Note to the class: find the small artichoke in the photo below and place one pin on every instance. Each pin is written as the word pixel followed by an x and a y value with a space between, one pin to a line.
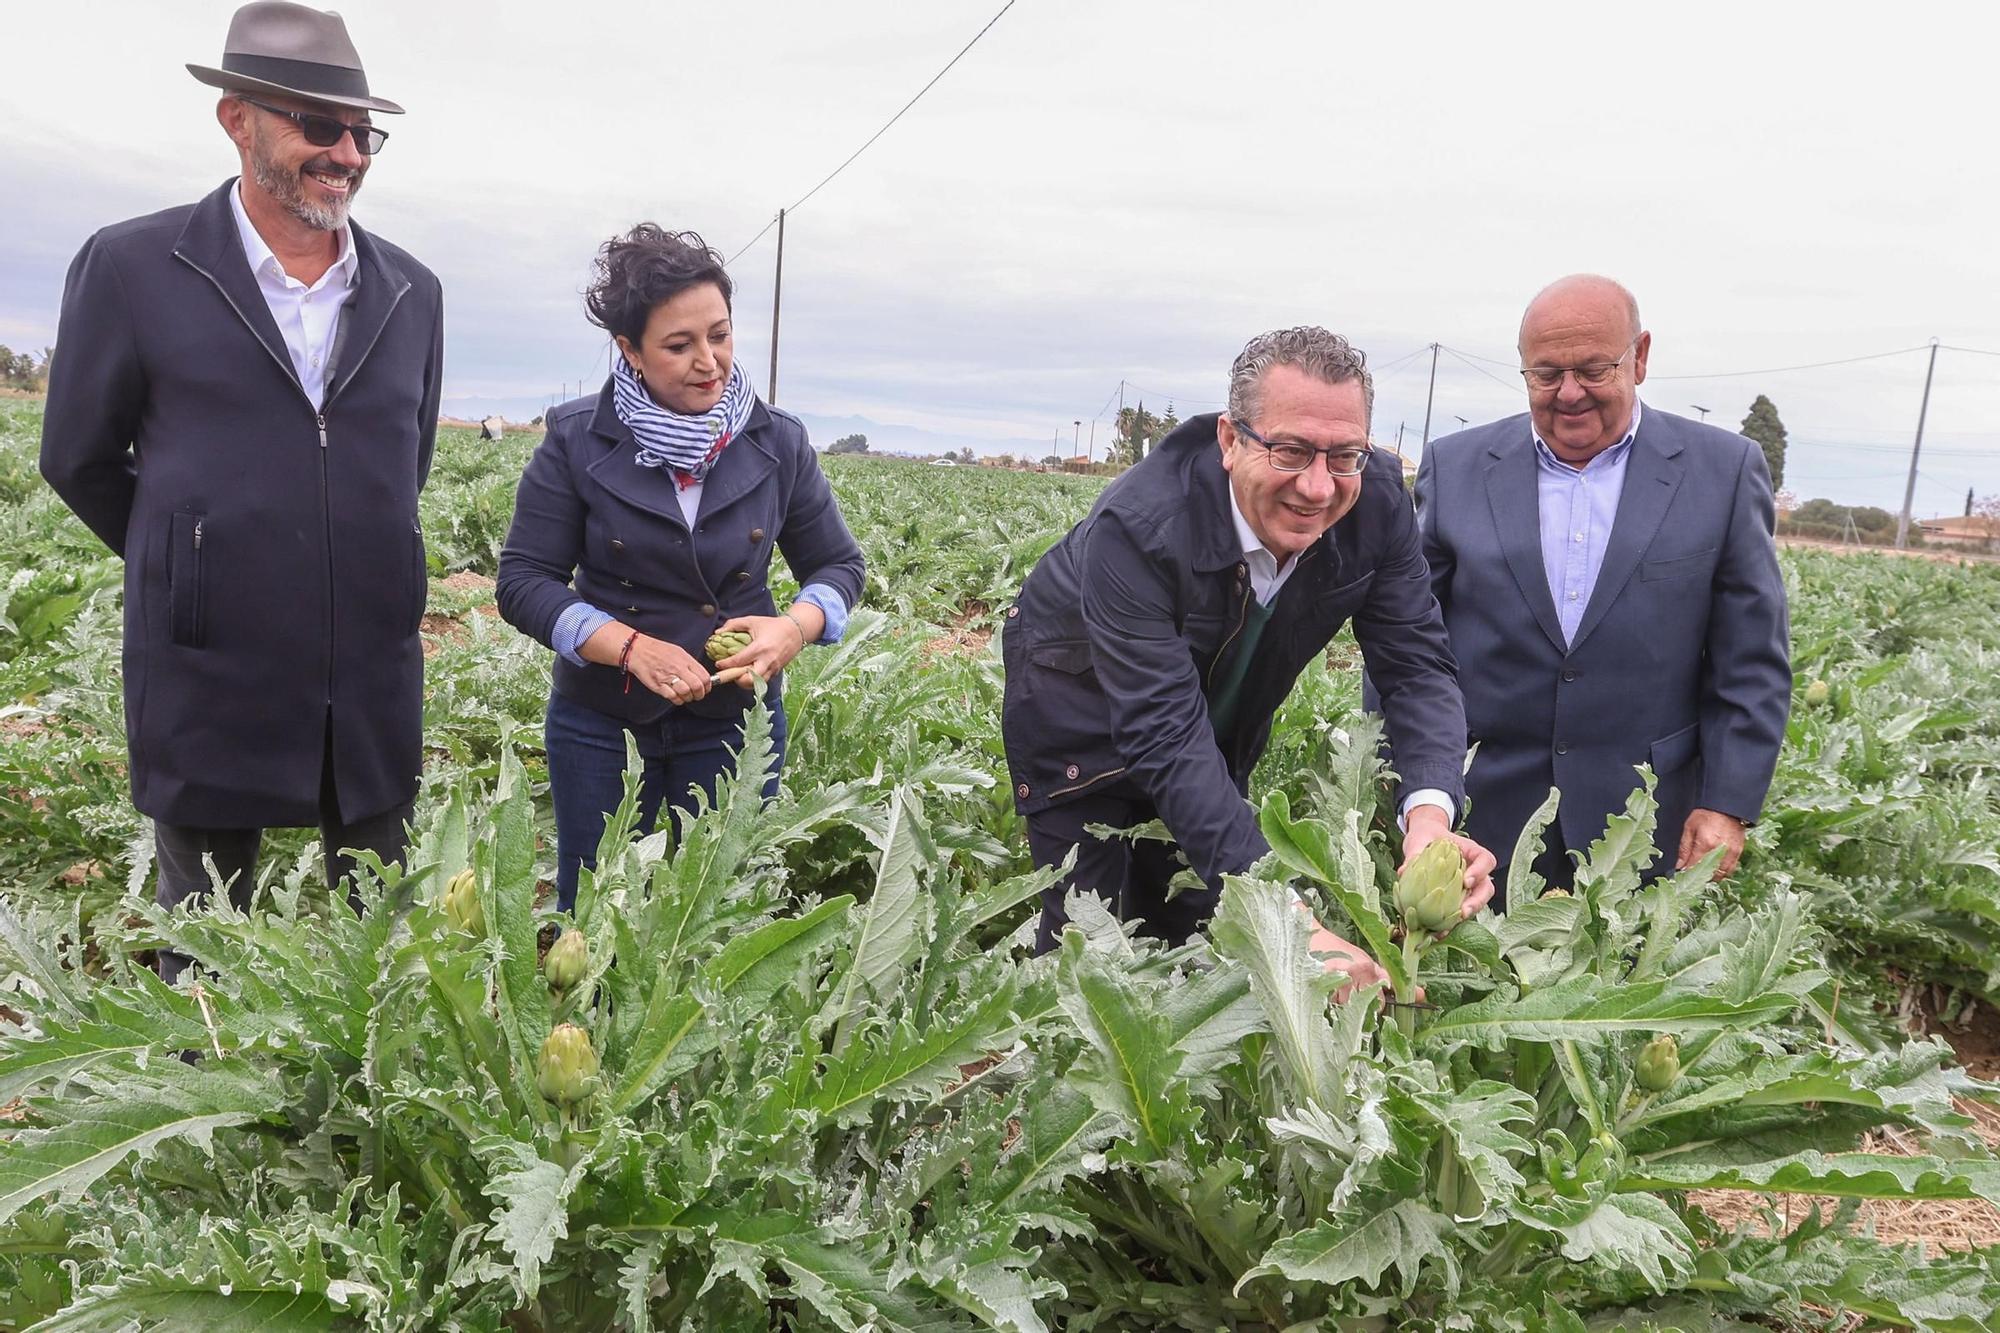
pixel 1431 894
pixel 1817 694
pixel 567 1071
pixel 726 643
pixel 568 961
pixel 461 903
pixel 1659 1066
pixel 1555 893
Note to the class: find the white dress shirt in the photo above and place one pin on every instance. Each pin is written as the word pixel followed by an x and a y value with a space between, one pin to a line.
pixel 308 317
pixel 1267 576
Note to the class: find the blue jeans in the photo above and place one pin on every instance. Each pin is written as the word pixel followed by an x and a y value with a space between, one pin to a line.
pixel 586 752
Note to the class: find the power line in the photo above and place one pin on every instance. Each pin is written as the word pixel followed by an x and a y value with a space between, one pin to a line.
pixel 1976 351
pixel 1771 370
pixel 1811 365
pixel 1176 398
pixel 1510 388
pixel 885 128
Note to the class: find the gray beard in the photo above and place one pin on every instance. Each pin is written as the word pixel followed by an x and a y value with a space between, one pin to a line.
pixel 288 188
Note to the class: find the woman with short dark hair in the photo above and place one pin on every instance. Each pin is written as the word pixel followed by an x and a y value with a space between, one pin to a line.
pixel 644 525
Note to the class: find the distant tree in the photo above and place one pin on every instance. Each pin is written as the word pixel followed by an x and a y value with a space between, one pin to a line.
pixel 1052 460
pixel 849 444
pixel 24 370
pixel 1986 510
pixel 1763 426
pixel 1785 503
pixel 1137 431
pixel 965 456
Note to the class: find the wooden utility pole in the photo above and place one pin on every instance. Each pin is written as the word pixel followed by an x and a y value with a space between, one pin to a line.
pixel 777 300
pixel 1432 394
pixel 1910 490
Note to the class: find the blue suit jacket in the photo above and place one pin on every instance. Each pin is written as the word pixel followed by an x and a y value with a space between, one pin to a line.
pixel 1681 659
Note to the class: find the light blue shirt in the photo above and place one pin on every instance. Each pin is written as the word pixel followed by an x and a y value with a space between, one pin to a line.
pixel 579 620
pixel 1577 509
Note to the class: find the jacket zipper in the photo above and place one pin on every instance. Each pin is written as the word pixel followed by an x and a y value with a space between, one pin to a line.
pixel 326 520
pixel 1242 617
pixel 195 614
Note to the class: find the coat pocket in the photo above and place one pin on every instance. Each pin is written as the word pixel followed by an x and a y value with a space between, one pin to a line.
pixel 420 580
pixel 1679 567
pixel 1069 656
pixel 1673 752
pixel 184 579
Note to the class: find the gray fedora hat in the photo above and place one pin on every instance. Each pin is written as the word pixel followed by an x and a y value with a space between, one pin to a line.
pixel 278 47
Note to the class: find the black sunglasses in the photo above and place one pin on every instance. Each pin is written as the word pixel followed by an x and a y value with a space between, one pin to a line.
pixel 325 131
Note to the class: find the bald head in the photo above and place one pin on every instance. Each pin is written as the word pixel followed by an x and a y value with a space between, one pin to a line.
pixel 1582 337
pixel 1591 294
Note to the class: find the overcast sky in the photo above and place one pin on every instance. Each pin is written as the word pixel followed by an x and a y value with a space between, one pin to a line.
pixel 1127 191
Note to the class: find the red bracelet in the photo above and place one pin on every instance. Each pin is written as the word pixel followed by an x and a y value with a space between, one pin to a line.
pixel 625 659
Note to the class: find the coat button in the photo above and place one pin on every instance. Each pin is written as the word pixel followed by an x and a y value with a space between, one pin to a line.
pixel 1569 675
pixel 742 576
pixel 1022 791
pixel 1013 612
pixel 632 610
pixel 624 583
pixel 1562 747
pixel 1241 570
pixel 708 608
pixel 617 545
pixel 1072 772
pixel 756 534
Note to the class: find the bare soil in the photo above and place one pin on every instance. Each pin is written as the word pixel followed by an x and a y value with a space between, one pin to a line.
pixel 1937 555
pixel 1937 1226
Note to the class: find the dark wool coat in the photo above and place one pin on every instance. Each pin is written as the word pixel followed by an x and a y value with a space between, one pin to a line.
pixel 274 567
pixel 590 522
pixel 1120 628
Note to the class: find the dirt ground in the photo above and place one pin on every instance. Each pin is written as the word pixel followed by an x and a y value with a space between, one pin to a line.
pixel 1939 1226
pixel 1941 555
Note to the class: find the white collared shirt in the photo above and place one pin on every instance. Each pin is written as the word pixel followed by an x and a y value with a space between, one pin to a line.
pixel 307 317
pixel 1267 576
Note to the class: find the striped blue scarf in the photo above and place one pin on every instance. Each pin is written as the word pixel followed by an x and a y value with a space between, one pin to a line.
pixel 688 445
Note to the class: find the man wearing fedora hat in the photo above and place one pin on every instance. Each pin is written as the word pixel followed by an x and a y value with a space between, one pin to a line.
pixel 243 408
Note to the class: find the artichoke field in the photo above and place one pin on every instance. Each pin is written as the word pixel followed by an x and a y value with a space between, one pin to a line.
pixel 790 1065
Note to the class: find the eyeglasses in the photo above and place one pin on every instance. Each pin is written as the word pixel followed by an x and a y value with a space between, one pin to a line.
pixel 325 131
pixel 1591 376
pixel 1289 456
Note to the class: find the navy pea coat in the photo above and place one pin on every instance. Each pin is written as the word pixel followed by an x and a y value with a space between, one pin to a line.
pixel 1121 626
pixel 590 522
pixel 1681 659
pixel 274 566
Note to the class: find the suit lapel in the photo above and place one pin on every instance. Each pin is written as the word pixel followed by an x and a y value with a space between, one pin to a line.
pixel 742 465
pixel 379 285
pixel 1516 502
pixel 649 488
pixel 1652 475
pixel 209 244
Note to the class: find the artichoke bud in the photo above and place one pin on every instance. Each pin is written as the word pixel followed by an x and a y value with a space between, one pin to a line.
pixel 567 1072
pixel 568 961
pixel 1816 694
pixel 1659 1066
pixel 461 903
pixel 1431 893
pixel 726 643
pixel 1555 893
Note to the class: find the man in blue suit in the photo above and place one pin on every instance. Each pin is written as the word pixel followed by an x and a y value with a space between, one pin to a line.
pixel 1610 584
